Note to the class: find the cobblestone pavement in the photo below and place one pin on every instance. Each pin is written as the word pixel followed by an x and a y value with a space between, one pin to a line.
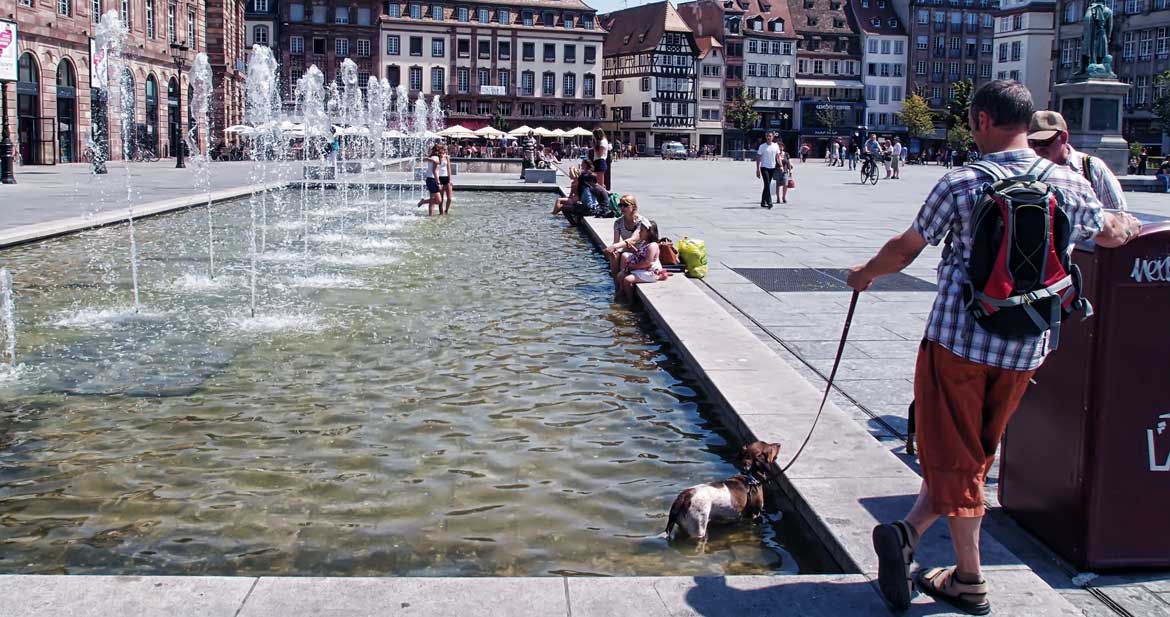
pixel 831 221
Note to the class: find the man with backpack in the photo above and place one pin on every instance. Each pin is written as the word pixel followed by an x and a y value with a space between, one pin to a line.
pixel 1048 136
pixel 989 329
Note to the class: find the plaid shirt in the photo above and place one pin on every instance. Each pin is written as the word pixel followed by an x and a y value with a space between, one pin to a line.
pixel 1104 183
pixel 948 210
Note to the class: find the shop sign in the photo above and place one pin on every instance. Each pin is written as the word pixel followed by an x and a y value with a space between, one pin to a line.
pixel 9 48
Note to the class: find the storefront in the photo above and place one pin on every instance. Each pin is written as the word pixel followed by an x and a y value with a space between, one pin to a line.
pixel 150 139
pixel 824 121
pixel 174 125
pixel 66 113
pixel 28 110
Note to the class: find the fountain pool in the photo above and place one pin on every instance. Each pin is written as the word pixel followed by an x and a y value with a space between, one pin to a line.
pixel 449 396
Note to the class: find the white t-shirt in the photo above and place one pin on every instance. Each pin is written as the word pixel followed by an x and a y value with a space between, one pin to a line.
pixel 898 151
pixel 602 150
pixel 768 153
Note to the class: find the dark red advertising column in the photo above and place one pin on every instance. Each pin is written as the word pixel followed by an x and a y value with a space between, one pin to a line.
pixel 1086 459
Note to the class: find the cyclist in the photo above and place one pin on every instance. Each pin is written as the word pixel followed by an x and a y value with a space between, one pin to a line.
pixel 870 152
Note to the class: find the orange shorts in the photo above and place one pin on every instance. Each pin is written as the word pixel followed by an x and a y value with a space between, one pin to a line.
pixel 962 409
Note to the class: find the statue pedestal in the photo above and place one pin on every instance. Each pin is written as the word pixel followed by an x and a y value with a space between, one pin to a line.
pixel 1092 109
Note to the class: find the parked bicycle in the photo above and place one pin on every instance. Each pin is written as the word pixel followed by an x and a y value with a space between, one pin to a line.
pixel 141 155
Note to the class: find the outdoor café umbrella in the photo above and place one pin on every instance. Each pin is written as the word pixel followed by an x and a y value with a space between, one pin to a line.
pixel 490 132
pixel 559 133
pixel 242 129
pixel 579 132
pixel 520 131
pixel 457 132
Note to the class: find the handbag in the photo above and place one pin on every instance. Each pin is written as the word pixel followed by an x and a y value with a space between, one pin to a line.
pixel 667 254
pixel 791 182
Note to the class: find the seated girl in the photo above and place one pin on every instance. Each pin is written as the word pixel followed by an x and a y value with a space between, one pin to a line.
pixel 642 266
pixel 627 231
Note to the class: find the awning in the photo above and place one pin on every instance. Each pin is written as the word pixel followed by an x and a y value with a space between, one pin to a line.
pixel 829 83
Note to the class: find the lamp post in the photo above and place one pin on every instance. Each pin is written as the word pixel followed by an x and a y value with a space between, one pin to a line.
pixel 179 54
pixel 6 176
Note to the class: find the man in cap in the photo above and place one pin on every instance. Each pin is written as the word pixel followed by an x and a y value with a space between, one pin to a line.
pixel 1048 136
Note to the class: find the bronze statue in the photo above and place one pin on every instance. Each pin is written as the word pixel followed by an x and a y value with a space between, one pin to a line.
pixel 1098 27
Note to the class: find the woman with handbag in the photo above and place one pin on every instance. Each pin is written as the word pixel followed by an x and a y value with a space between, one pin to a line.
pixel 627 232
pixel 783 175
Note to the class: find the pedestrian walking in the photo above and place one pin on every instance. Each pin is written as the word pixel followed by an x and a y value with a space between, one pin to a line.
pixel 766 157
pixel 1048 136
pixel 968 380
pixel 1143 161
pixel 853 152
pixel 896 158
pixel 834 152
pixel 804 148
pixel 782 175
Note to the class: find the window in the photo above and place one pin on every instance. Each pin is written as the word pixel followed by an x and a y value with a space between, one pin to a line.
pixel 1068 52
pixel 526 18
pixel 319 14
pixel 954 69
pixel 341 47
pixel 438 47
pixel 923 17
pixel 588 86
pixel 587 21
pixel 1162 42
pixel 483 77
pixel 485 49
pixel 260 35
pixel 415 78
pixel 884 95
pixel 1133 7
pixel 570 85
pixel 885 69
pixel 1128 48
pixel 985 71
pixel 922 42
pixel 549 83
pixel 548 19
pixel 527 83
pixel 570 54
pixel 463 79
pixel 172 24
pixel 969 69
pixel 897 70
pixel 65 7
pixel 462 14
pixel 393 9
pixel 528 51
pixel 503 78
pixel 504 16
pixel 416 43
pixel 363 16
pixel 801 65
pixel 1003 52
pixel 341 15
pixel 296 45
pixel 1143 85
pixel 150 18
pixel 956 18
pixel 818 66
pixel 504 50
pixel 483 108
pixel 319 46
pixel 645 82
pixel 1016 51
pixel 416 11
pixel 393 76
pixel 1073 12
pixel 896 93
pixel 786 48
pixel 483 15
pixel 393 44
pixel 363 48
pixel 590 54
pixel 940 17
pixel 463 48
pixel 191 42
pixel 1146 44
pixel 871 93
pixel 550 52
pixel 920 67
pixel 885 47
pixel 956 44
pixel 753 46
pixel 988 21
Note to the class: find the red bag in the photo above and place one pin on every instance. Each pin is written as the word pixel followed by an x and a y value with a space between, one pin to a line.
pixel 791 182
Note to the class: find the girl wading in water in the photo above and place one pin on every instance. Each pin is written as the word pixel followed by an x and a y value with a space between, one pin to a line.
pixel 438 181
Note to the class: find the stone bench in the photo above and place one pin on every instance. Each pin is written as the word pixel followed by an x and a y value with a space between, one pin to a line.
pixel 1140 184
pixel 542 176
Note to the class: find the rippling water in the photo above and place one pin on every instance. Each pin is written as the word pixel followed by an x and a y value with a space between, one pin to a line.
pixel 454 396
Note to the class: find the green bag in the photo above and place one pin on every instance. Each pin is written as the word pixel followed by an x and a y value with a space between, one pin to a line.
pixel 693 253
pixel 614 206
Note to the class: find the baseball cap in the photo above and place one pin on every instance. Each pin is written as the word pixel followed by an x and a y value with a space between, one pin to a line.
pixel 1045 125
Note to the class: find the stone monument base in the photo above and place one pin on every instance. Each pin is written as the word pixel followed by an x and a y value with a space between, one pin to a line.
pixel 1092 109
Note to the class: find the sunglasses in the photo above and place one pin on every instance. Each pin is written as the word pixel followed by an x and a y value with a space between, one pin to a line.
pixel 1035 143
pixel 624 205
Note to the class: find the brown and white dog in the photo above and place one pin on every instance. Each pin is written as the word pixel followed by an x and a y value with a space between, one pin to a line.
pixel 736 498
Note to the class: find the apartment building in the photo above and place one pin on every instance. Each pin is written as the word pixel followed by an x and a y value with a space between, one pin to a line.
pixel 1024 31
pixel 828 82
pixel 649 76
pixel 723 21
pixel 261 19
pixel 51 105
pixel 884 56
pixel 226 53
pixel 1141 50
pixel 326 34
pixel 949 40
pixel 769 58
pixel 709 111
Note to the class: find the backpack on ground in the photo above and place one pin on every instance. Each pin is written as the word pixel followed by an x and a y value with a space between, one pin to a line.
pixel 1021 279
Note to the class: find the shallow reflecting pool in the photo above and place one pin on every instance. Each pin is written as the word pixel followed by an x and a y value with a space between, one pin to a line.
pixel 448 396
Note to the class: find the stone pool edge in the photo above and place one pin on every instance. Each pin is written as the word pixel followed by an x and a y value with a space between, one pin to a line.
pixel 36 232
pixel 845 481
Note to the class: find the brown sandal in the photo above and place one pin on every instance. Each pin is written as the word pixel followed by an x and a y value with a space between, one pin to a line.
pixel 942 584
pixel 894 544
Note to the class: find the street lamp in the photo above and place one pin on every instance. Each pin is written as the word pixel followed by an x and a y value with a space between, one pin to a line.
pixel 179 54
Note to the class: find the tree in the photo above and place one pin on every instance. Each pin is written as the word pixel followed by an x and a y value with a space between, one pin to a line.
pixel 917 117
pixel 959 138
pixel 499 123
pixel 829 117
pixel 958 106
pixel 742 112
pixel 1162 101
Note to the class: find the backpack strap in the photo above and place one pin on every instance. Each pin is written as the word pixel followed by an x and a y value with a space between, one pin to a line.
pixel 990 168
pixel 1046 166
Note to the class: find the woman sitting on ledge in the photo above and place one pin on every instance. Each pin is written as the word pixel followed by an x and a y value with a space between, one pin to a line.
pixel 594 200
pixel 642 266
pixel 574 188
pixel 627 232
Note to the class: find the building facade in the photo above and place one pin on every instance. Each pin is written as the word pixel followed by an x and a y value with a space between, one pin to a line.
pixel 261 21
pixel 829 90
pixel 226 54
pixel 1024 30
pixel 1141 50
pixel 51 105
pixel 649 76
pixel 769 58
pixel 709 111
pixel 884 56
pixel 312 32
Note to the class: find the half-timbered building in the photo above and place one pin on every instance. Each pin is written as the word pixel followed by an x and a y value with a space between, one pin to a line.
pixel 648 82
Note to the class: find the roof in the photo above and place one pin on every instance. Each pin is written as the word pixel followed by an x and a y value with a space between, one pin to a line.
pixel 826 14
pixel 706 44
pixel 769 10
pixel 640 28
pixel 705 17
pixel 882 11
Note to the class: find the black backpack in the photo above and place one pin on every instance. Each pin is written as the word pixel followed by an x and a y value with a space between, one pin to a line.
pixel 1021 279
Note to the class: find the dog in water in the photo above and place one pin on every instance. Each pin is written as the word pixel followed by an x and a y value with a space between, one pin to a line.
pixel 736 498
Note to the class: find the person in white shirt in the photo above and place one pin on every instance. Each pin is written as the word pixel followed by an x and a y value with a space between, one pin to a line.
pixel 766 157
pixel 896 158
pixel 601 157
pixel 1048 136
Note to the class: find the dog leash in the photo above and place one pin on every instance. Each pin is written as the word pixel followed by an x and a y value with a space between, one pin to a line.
pixel 832 374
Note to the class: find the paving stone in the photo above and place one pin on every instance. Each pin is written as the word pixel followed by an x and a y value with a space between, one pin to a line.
pixel 102 596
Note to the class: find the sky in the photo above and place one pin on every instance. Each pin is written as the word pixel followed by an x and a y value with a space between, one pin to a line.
pixel 608 6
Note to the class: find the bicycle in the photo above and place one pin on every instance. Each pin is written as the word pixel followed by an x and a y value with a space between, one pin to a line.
pixel 869 171
pixel 141 155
